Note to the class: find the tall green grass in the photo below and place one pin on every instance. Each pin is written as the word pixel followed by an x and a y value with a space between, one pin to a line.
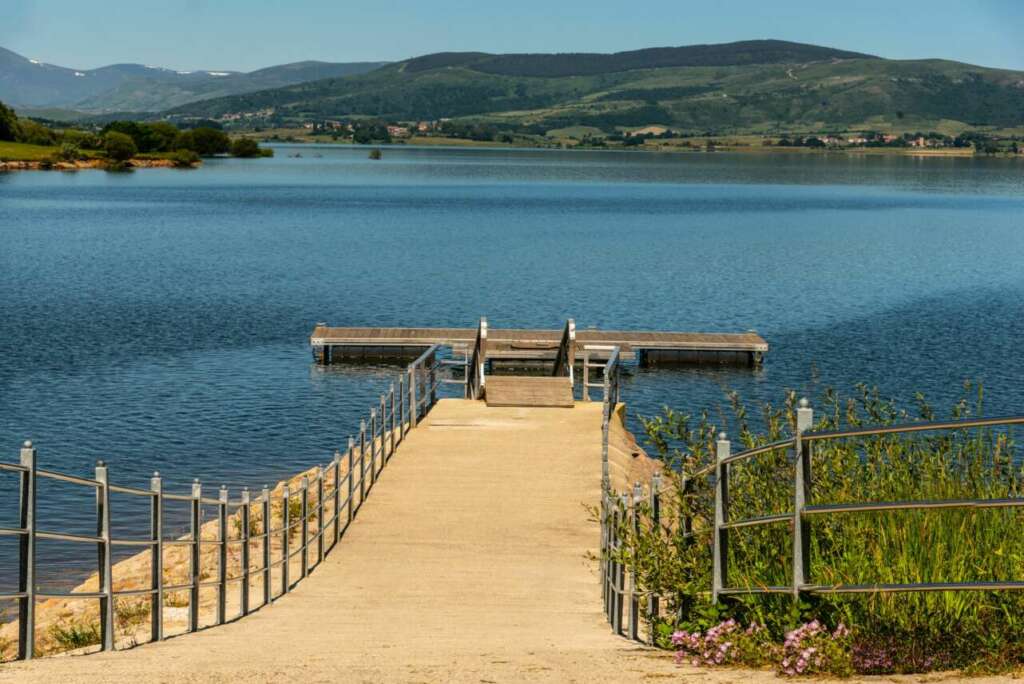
pixel 891 631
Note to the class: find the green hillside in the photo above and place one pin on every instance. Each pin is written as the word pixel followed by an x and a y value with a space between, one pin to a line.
pixel 752 86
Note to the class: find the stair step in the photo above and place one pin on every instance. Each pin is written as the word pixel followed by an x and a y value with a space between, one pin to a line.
pixel 514 390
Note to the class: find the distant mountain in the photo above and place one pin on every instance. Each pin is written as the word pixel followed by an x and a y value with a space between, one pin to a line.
pixel 754 86
pixel 29 83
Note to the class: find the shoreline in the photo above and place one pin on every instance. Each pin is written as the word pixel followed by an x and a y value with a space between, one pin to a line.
pixel 44 165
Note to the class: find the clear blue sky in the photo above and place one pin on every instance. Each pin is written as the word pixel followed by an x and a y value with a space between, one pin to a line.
pixel 248 34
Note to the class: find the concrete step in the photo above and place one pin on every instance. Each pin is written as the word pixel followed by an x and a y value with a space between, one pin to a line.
pixel 514 390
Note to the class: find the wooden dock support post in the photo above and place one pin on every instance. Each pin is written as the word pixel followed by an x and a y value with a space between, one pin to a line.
pixel 412 397
pixel 319 514
pixel 304 529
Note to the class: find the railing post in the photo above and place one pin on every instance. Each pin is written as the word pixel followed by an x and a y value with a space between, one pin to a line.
pixel 337 497
pixel 585 395
pixel 106 587
pixel 720 567
pixel 195 525
pixel 653 607
pixel 265 510
pixel 304 529
pixel 222 555
pixel 362 462
pixel 634 601
pixel 605 429
pixel 432 360
pixel 401 407
pixel 394 420
pixel 27 555
pixel 246 532
pixel 603 519
pixel 319 515
pixel 620 567
pixel 351 478
pixel 382 412
pixel 156 562
pixel 285 529
pixel 801 497
pixel 412 396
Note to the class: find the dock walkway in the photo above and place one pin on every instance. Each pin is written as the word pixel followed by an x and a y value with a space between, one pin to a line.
pixel 467 565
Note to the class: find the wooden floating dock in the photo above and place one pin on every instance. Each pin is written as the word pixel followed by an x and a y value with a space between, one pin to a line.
pixel 516 346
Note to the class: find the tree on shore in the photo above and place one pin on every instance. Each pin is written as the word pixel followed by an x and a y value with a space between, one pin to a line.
pixel 119 147
pixel 245 147
pixel 8 123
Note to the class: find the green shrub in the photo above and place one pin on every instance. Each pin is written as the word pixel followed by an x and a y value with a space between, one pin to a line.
pixel 183 159
pixel 933 629
pixel 76 635
pixel 69 152
pixel 119 146
pixel 245 147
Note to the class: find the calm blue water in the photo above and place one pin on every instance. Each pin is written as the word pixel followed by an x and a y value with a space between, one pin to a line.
pixel 159 320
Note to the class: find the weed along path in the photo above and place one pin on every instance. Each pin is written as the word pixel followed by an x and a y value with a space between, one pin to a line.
pixel 469 563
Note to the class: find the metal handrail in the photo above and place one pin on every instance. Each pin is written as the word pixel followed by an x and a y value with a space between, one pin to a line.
pixel 617 510
pixel 565 358
pixel 476 377
pixel 397 412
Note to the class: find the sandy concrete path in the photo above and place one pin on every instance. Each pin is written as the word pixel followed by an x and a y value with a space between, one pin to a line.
pixel 467 564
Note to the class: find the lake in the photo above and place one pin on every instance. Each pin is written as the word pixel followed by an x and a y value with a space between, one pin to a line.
pixel 159 319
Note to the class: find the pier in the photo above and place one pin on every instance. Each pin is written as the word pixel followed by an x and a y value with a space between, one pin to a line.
pixel 516 346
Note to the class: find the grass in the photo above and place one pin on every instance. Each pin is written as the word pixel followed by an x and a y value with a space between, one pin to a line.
pixel 928 630
pixel 15 151
pixel 75 635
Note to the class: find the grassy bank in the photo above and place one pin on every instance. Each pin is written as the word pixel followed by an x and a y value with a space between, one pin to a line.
pixel 868 633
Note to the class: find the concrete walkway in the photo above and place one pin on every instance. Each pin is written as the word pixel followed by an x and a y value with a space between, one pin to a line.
pixel 467 564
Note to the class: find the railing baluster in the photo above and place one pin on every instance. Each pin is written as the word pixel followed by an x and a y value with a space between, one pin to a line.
pixel 653 607
pixel 304 529
pixel 196 522
pixel 27 555
pixel 620 584
pixel 156 563
pixel 106 583
pixel 394 419
pixel 351 478
pixel 222 555
pixel 634 599
pixel 362 463
pixel 265 511
pixel 336 467
pixel 286 524
pixel 720 544
pixel 412 396
pixel 401 407
pixel 319 515
pixel 801 497
pixel 373 446
pixel 244 512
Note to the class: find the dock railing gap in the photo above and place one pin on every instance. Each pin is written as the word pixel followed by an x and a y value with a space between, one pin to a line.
pixel 392 416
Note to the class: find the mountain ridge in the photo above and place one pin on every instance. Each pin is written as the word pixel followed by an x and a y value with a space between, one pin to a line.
pixel 128 86
pixel 761 86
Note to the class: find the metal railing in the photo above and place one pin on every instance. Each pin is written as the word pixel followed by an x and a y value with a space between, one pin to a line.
pixel 397 411
pixel 476 362
pixel 565 358
pixel 621 512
